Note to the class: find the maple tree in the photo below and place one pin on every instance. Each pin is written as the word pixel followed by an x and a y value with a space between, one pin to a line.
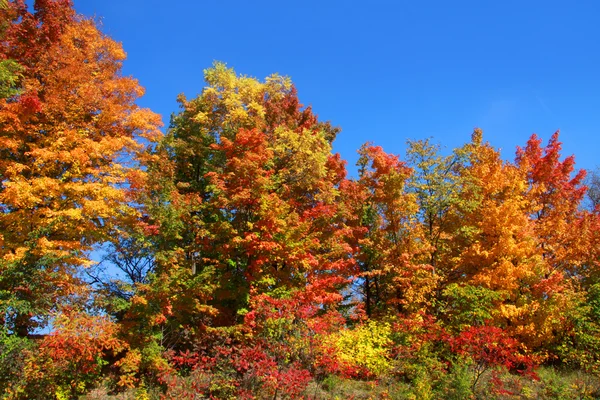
pixel 554 196
pixel 495 247
pixel 254 180
pixel 241 201
pixel 387 237
pixel 64 137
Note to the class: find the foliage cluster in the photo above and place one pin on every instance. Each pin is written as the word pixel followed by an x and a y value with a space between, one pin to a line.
pixel 251 265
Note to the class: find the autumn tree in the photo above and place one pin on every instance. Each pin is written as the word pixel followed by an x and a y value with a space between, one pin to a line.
pixel 555 194
pixel 496 248
pixel 64 142
pixel 387 236
pixel 435 185
pixel 243 194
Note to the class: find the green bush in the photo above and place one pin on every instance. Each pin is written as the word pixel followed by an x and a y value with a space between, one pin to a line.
pixel 13 355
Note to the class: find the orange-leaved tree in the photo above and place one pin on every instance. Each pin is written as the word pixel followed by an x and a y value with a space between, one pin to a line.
pixel 495 249
pixel 64 145
pixel 555 194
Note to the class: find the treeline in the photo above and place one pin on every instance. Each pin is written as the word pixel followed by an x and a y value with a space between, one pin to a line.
pixel 241 259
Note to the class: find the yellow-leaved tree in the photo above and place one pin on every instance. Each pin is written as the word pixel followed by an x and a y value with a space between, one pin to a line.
pixel 65 141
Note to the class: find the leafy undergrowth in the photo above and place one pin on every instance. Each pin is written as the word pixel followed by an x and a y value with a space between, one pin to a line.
pixel 551 384
pixel 500 385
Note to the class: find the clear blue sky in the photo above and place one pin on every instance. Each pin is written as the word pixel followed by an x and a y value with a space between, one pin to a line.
pixel 384 71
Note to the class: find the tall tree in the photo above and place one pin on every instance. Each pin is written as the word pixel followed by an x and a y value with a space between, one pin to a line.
pixel 247 202
pixel 555 194
pixel 64 142
pixel 435 184
pixel 388 238
pixel 495 248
